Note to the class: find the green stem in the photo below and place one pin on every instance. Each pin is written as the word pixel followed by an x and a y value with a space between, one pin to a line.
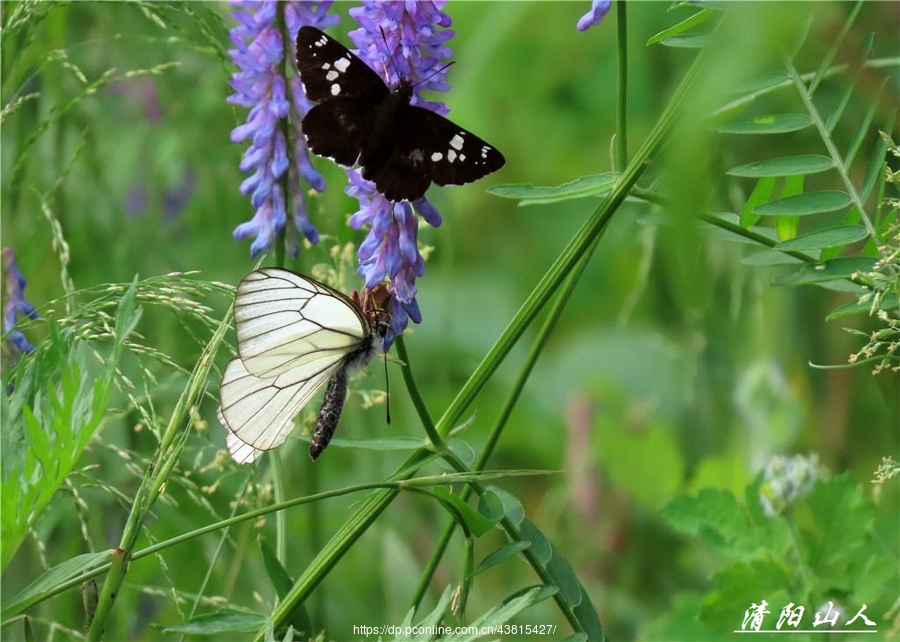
pixel 437 442
pixel 622 89
pixel 825 135
pixel 278 495
pixel 278 485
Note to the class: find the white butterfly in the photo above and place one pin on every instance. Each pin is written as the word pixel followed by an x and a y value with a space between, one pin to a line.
pixel 294 334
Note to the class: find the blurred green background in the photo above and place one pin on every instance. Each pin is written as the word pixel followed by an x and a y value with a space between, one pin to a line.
pixel 675 366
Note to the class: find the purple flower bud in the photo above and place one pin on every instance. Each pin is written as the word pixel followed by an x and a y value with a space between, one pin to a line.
pixel 15 305
pixel 599 8
pixel 277 155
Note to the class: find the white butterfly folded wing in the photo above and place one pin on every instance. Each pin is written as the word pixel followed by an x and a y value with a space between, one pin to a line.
pixel 285 321
pixel 293 333
pixel 259 413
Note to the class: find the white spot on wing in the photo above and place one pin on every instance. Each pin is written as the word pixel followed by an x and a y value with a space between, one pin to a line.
pixel 335 89
pixel 462 157
pixel 326 66
pixel 331 75
pixel 321 42
pixel 436 156
pixel 451 156
pixel 456 142
pixel 341 64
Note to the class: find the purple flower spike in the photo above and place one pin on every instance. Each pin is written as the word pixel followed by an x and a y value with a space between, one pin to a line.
pixel 15 305
pixel 399 40
pixel 277 155
pixel 599 9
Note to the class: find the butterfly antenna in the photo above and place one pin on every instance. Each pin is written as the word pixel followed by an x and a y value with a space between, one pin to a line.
pixel 387 392
pixel 433 74
pixel 387 51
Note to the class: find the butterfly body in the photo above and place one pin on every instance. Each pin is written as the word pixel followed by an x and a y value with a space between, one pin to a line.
pixel 401 147
pixel 390 119
pixel 329 413
pixel 294 335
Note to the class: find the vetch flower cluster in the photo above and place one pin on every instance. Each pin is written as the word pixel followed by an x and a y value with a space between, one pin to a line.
pixel 398 40
pixel 786 480
pixel 277 154
pixel 15 305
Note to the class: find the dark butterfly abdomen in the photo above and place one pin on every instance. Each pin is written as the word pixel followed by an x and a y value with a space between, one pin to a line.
pixel 390 122
pixel 329 413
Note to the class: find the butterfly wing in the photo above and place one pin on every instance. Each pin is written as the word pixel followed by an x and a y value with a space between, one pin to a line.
pixel 329 70
pixel 293 333
pixel 432 148
pixel 337 128
pixel 286 321
pixel 240 452
pixel 259 413
pixel 347 90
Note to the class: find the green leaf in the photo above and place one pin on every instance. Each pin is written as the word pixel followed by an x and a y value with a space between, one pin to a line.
pixel 692 21
pixel 769 258
pixel 768 124
pixel 498 616
pixel 560 573
pixel 832 270
pixel 692 41
pixel 891 302
pixel 279 577
pixel 51 579
pixel 785 166
pixel 512 507
pixel 742 583
pixel 539 195
pixel 490 506
pixel 588 619
pixel 835 521
pixel 386 444
pixel 828 237
pixel 723 524
pixel 501 555
pixel 563 576
pixel 128 313
pixel 226 621
pixel 681 621
pixel 540 545
pixel 806 204
pixel 710 509
pixel 475 522
pixel 787 226
pixel 463 450
pixel 763 191
pixel 764 81
pixel 431 620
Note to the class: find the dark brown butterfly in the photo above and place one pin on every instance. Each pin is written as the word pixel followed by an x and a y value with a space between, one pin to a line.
pixel 401 148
